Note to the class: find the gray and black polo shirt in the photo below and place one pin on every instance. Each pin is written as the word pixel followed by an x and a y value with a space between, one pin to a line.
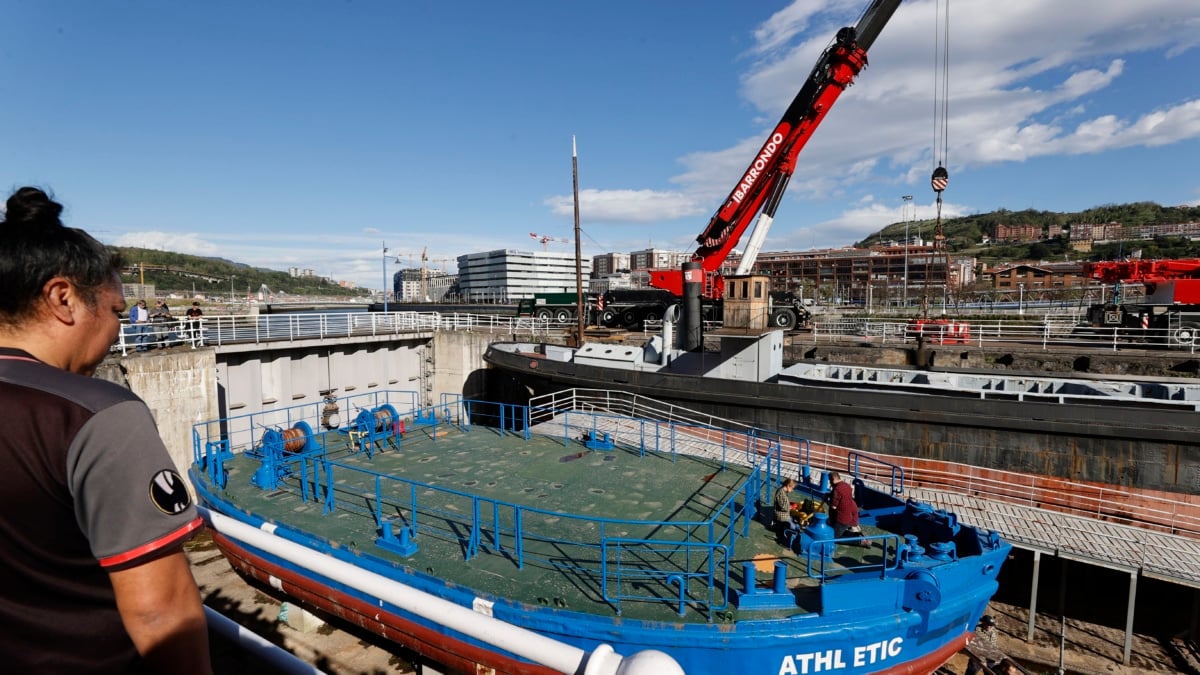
pixel 86 487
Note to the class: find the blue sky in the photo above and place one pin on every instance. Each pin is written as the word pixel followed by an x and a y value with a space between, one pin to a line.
pixel 306 133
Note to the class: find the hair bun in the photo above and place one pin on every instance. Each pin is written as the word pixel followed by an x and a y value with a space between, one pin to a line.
pixel 32 206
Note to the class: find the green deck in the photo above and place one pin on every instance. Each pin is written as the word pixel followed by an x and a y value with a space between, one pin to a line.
pixel 577 486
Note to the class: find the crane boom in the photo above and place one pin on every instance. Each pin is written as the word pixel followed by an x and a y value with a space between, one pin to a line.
pixel 763 183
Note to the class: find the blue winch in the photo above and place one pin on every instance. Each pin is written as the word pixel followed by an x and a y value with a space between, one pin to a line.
pixel 274 448
pixel 382 425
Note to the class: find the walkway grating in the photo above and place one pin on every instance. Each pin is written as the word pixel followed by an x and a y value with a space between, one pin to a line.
pixel 1156 555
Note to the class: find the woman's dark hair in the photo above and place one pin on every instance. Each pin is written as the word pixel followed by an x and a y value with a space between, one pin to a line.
pixel 35 247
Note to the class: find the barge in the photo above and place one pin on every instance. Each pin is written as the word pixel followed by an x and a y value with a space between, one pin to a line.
pixel 611 531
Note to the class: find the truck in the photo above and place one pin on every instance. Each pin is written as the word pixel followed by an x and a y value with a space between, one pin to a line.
pixel 636 307
pixel 1170 310
pixel 626 308
pixel 761 187
pixel 558 307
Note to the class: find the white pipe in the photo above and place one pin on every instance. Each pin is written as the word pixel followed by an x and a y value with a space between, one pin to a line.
pixel 670 316
pixel 514 639
pixel 280 660
pixel 754 244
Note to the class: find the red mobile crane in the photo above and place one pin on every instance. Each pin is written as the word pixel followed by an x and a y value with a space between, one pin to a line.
pixel 762 185
pixel 760 189
pixel 1171 307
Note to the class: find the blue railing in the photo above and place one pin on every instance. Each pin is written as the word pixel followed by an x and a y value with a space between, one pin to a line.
pixel 876 469
pixel 631 568
pixel 686 560
pixel 529 535
pixel 818 561
pixel 240 433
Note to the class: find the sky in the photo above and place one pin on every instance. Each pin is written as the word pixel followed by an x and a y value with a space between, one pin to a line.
pixel 312 133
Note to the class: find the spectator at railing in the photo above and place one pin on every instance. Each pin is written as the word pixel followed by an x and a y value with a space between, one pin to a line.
pixel 161 312
pixel 193 314
pixel 139 322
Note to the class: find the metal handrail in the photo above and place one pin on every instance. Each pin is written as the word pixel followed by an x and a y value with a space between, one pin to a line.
pixel 216 441
pixel 1050 331
pixel 1111 503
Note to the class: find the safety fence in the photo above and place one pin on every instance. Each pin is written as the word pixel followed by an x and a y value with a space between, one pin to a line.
pixel 1051 331
pixel 690 559
pixel 1152 510
pixel 265 328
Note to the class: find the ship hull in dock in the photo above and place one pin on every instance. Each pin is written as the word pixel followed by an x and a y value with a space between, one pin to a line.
pixel 430 526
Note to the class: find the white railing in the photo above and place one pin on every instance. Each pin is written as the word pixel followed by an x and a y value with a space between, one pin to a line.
pixel 261 328
pixel 1051 332
pixel 1139 508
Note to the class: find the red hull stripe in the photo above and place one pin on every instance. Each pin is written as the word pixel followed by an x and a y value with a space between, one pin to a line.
pixel 150 547
pixel 931 661
pixel 439 647
pixel 432 644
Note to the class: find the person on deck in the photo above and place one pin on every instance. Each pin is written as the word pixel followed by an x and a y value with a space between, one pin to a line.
pixel 93 514
pixel 843 510
pixel 782 515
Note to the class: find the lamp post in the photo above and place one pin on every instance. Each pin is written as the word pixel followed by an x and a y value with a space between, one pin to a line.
pixel 1021 298
pixel 904 214
pixel 385 277
pixel 231 278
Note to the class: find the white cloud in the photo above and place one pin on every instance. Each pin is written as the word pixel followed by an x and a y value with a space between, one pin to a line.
pixel 178 242
pixel 855 224
pixel 626 206
pixel 1024 84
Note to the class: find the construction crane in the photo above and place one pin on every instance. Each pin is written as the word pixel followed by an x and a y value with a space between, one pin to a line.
pixel 546 239
pixel 1170 311
pixel 424 290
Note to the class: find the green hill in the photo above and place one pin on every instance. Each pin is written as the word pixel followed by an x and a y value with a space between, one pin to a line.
pixel 964 234
pixel 188 274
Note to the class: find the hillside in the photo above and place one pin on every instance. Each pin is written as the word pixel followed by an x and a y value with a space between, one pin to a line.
pixel 963 235
pixel 188 275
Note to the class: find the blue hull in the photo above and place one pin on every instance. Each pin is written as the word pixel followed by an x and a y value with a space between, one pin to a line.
pixel 907 618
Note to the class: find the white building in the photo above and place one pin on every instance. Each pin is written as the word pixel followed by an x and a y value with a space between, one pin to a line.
pixel 507 275
pixel 610 263
pixel 417 285
pixel 657 259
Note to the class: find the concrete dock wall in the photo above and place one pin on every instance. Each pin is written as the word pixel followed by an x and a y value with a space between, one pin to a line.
pixel 184 386
pixel 458 364
pixel 179 386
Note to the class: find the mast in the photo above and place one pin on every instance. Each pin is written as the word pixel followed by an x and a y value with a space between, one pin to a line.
pixel 579 305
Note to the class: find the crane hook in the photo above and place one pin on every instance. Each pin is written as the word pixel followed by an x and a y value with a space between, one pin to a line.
pixel 939 180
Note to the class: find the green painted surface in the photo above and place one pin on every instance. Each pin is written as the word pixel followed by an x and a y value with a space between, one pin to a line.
pixel 565 494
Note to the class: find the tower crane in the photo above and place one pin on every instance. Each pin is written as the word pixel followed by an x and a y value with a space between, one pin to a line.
pixel 546 239
pixel 424 290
